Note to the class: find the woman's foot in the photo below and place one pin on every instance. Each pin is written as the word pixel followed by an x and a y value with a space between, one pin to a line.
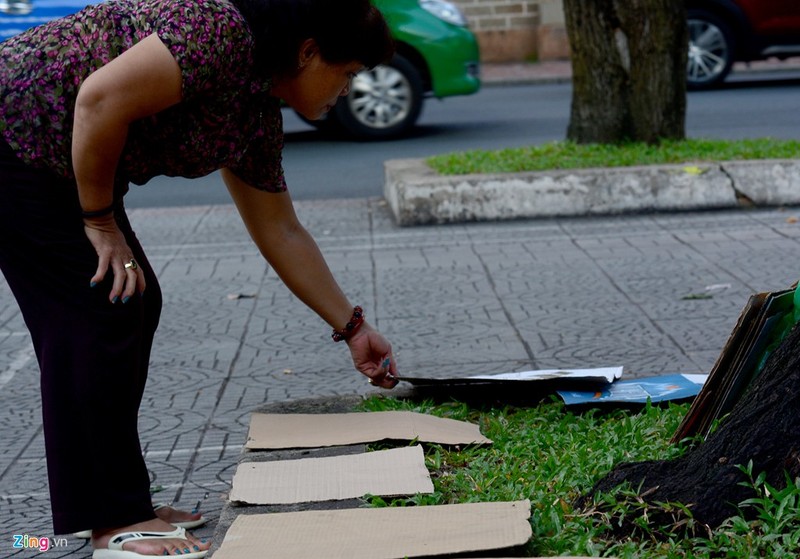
pixel 176 516
pixel 154 546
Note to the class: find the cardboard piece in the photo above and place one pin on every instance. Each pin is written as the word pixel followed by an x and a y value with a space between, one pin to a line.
pixel 553 379
pixel 761 323
pixel 379 533
pixel 399 471
pixel 274 431
pixel 637 391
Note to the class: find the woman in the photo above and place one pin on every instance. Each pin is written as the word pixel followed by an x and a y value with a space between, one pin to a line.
pixel 121 92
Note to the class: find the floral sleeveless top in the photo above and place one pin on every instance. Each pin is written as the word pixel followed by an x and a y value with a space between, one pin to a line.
pixel 226 119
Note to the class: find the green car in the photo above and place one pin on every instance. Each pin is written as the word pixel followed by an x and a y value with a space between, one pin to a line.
pixel 437 55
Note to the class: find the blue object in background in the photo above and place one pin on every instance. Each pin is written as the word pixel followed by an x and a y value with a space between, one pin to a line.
pixel 638 391
pixel 18 15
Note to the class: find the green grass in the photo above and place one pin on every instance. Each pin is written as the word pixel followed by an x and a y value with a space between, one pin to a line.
pixel 550 455
pixel 568 155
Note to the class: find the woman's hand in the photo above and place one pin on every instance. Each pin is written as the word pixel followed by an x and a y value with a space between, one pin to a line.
pixel 372 356
pixel 113 252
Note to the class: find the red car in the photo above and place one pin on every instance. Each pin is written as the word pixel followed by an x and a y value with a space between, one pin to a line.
pixel 722 32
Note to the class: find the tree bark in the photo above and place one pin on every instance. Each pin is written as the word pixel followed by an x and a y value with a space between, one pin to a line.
pixel 764 426
pixel 628 70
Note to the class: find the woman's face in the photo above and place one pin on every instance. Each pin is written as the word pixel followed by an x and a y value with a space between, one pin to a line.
pixel 316 87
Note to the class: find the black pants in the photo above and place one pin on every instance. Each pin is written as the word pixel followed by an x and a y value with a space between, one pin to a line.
pixel 93 355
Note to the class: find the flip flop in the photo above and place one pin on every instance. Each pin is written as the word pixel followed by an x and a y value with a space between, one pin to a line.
pixel 115 550
pixel 188 524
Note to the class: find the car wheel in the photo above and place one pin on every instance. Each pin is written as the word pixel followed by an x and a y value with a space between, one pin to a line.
pixel 383 102
pixel 711 50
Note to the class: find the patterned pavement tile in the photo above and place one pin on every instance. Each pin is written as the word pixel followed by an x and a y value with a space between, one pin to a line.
pixel 454 300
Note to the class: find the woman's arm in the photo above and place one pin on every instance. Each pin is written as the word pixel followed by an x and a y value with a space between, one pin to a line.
pixel 296 258
pixel 142 81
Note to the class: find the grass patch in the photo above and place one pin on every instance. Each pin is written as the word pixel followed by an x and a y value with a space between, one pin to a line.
pixel 551 455
pixel 568 155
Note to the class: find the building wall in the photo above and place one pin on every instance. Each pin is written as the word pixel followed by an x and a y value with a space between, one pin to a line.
pixel 517 30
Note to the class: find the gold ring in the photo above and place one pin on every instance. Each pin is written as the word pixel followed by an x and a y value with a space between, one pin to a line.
pixel 132 265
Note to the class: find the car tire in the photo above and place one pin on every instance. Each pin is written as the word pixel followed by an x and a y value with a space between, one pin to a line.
pixel 711 50
pixel 383 102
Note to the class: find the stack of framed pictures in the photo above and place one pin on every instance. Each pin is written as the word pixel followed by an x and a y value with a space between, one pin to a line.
pixel 762 324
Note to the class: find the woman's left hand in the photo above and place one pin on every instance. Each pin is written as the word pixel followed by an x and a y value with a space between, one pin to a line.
pixel 372 356
pixel 114 254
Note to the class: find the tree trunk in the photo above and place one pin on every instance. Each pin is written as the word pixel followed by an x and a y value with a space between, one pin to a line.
pixel 628 70
pixel 764 427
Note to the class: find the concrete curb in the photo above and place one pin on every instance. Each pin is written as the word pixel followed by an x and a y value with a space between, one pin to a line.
pixel 418 195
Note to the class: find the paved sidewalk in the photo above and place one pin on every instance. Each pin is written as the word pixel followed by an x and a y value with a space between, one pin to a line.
pixel 468 299
pixel 477 298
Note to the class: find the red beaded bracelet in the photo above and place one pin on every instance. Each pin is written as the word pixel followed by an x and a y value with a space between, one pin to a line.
pixel 351 327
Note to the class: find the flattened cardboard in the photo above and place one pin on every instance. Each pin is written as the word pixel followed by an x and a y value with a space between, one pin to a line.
pixel 546 379
pixel 382 533
pixel 274 431
pixel 398 471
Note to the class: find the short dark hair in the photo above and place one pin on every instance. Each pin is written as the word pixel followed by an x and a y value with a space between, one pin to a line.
pixel 344 30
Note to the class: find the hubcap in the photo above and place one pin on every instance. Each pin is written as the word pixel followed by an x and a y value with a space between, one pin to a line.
pixel 380 98
pixel 708 51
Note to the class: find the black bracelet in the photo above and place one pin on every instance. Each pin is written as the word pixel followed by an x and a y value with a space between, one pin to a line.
pixel 99 213
pixel 351 327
